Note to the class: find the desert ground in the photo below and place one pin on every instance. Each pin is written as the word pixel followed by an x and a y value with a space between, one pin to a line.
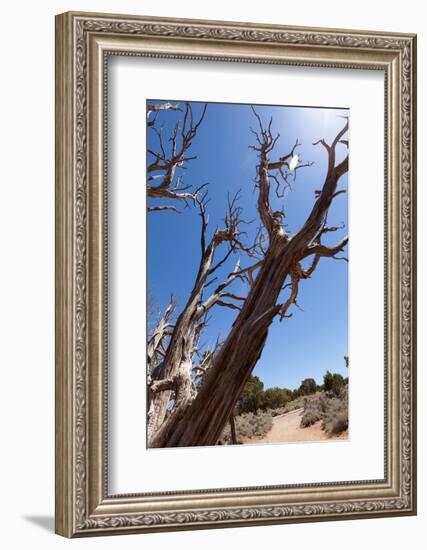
pixel 286 429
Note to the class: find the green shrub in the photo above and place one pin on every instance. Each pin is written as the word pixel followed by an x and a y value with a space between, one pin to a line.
pixel 307 387
pixel 333 383
pixel 252 396
pixel 274 398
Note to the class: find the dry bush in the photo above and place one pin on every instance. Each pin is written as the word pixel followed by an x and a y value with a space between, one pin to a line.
pixel 335 420
pixel 332 411
pixel 298 403
pixel 249 425
pixel 309 418
pixel 337 425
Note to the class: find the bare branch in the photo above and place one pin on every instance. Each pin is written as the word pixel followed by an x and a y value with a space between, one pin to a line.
pixel 283 313
pixel 204 217
pixel 233 296
pixel 227 304
pixel 297 272
pixel 165 165
pixel 323 142
pixel 162 107
pixel 340 258
pixel 278 171
pixel 307 273
pixel 341 133
pixel 220 263
pixel 210 282
pixel 332 229
pixel 161 208
pixel 324 196
pixel 328 251
pixel 341 192
pixel 156 107
pixel 216 295
pixel 247 273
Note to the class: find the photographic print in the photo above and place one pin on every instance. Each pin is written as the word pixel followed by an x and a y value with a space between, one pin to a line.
pixel 247 283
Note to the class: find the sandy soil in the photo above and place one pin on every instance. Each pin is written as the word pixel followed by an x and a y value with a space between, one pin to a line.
pixel 286 428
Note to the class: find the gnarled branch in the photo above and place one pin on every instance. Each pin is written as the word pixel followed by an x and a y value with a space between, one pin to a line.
pixel 323 250
pixel 266 141
pixel 162 208
pixel 161 171
pixel 295 278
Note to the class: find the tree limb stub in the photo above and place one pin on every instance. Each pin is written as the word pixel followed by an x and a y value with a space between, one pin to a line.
pixel 162 385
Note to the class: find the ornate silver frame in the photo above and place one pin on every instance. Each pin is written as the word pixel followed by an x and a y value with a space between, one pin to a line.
pixel 83 506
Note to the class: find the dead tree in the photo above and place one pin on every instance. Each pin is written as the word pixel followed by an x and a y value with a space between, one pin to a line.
pixel 170 156
pixel 199 419
pixel 175 375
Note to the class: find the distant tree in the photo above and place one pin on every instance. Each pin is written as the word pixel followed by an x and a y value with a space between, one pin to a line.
pixel 308 386
pixel 276 397
pixel 346 359
pixel 252 396
pixel 333 383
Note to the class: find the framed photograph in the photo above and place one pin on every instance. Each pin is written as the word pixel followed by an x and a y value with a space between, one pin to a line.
pixel 235 274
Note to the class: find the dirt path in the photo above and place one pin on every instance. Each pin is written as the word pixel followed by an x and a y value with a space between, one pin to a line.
pixel 286 429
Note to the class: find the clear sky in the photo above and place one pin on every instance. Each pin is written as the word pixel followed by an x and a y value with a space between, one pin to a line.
pixel 311 341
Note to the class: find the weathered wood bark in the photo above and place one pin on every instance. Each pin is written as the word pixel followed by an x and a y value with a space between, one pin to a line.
pixel 202 420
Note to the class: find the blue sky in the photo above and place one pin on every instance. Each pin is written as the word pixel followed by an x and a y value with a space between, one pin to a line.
pixel 311 341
